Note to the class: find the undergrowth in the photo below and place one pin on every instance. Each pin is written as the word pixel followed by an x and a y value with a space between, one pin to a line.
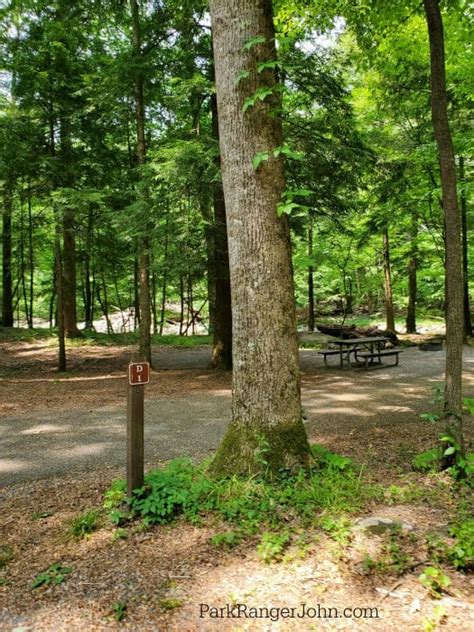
pixel 331 489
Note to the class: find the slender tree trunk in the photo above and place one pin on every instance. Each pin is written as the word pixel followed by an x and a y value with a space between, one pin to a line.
pixel 209 236
pixel 181 299
pixel 389 312
pixel 266 406
pixel 104 305
pixel 30 256
pixel 412 281
pixel 53 293
pixel 69 240
pixel 7 298
pixel 88 317
pixel 465 256
pixel 23 263
pixel 136 296
pixel 153 300
pixel 452 223
pixel 165 276
pixel 310 278
pixel 222 336
pixel 60 303
pixel 144 348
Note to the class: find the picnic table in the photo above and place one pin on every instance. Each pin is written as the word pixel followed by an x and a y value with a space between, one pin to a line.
pixel 368 349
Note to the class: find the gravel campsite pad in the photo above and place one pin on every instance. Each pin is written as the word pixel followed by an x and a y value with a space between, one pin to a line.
pixel 62 445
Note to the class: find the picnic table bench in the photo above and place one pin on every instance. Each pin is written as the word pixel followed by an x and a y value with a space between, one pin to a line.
pixel 368 349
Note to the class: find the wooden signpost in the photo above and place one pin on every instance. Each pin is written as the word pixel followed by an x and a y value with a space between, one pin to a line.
pixel 138 376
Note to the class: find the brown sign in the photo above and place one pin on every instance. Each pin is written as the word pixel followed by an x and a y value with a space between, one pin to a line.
pixel 138 373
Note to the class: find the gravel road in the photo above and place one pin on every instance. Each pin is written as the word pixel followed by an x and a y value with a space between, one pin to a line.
pixel 50 443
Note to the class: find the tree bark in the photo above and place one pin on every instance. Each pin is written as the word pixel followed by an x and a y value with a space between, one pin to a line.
pixel 144 347
pixel 30 256
pixel 452 221
pixel 412 281
pixel 465 256
pixel 88 291
pixel 310 278
pixel 60 302
pixel 7 297
pixel 222 335
pixel 389 311
pixel 69 240
pixel 266 432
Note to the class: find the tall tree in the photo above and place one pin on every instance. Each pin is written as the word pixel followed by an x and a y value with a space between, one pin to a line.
pixel 389 311
pixel 144 241
pixel 452 224
pixel 465 253
pixel 222 334
pixel 7 295
pixel 266 408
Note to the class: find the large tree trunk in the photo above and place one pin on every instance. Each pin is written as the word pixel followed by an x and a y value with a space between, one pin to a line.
pixel 144 348
pixel 7 297
pixel 310 278
pixel 222 334
pixel 465 256
pixel 412 269
pixel 266 432
pixel 452 222
pixel 389 311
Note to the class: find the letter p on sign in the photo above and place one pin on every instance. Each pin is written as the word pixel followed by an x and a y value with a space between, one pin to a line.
pixel 138 373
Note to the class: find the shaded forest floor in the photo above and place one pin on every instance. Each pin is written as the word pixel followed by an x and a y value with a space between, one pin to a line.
pixel 162 574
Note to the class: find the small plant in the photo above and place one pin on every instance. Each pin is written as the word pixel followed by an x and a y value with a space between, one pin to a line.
pixel 399 558
pixel 119 534
pixel 439 614
pixel 396 495
pixel 427 461
pixel 6 554
pixel 84 524
pixel 55 574
pixel 369 564
pixel 227 539
pixel 272 546
pixel 263 448
pixel 339 528
pixel 119 609
pixel 170 603
pixel 435 580
pixel 461 553
pixel 40 515
pixel 325 458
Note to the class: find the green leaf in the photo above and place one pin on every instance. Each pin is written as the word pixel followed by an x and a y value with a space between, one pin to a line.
pixel 265 65
pixel 243 74
pixel 258 39
pixel 450 450
pixel 259 158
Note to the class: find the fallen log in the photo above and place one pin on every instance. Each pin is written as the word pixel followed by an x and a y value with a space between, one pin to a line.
pixel 351 331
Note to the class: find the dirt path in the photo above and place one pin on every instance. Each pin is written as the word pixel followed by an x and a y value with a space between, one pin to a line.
pixel 348 410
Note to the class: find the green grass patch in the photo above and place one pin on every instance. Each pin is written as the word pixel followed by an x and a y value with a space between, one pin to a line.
pixel 84 524
pixel 92 338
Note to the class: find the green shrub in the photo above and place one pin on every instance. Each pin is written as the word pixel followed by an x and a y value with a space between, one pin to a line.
pixel 427 461
pixel 461 553
pixel 272 545
pixel 55 574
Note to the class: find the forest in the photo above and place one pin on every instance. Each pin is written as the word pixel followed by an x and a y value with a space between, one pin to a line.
pixel 228 190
